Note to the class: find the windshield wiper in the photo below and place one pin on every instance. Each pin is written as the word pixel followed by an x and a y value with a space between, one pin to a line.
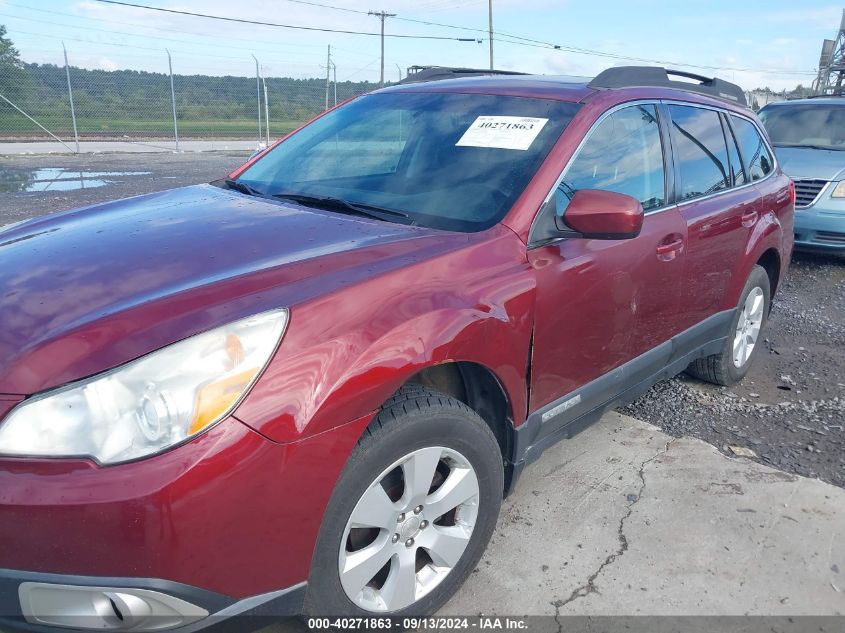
pixel 242 187
pixel 344 206
pixel 810 146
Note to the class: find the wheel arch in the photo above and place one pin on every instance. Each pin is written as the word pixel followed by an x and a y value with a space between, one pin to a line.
pixel 478 387
pixel 763 249
pixel 771 263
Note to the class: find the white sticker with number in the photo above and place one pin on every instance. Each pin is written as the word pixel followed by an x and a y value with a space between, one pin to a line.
pixel 502 132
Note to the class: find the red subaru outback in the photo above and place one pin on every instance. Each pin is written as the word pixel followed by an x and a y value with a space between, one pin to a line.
pixel 307 387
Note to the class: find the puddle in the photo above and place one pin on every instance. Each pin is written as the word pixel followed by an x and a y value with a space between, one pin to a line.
pixel 58 179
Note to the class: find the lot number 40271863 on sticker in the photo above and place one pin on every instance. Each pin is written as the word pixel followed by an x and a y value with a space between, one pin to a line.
pixel 502 132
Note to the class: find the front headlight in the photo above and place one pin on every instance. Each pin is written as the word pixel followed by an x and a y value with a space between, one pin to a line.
pixel 839 190
pixel 151 403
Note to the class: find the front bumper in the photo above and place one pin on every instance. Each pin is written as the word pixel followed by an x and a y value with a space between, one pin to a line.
pixel 201 609
pixel 230 516
pixel 821 227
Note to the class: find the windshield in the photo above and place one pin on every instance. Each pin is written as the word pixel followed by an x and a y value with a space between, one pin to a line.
pixel 806 125
pixel 448 161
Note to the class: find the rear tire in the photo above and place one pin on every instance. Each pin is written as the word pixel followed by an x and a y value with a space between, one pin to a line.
pixel 425 454
pixel 730 365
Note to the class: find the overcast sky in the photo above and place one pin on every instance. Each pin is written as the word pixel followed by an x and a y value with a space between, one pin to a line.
pixel 783 36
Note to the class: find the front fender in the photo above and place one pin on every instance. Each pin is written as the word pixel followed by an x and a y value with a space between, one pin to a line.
pixel 347 354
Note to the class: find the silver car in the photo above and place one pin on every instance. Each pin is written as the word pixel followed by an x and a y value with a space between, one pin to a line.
pixel 809 140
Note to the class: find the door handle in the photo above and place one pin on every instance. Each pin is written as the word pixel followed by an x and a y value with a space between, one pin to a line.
pixel 669 248
pixel 749 218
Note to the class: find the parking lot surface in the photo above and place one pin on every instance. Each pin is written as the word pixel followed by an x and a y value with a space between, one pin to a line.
pixel 35 185
pixel 625 520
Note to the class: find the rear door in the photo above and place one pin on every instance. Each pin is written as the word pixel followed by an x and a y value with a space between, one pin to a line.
pixel 602 303
pixel 718 204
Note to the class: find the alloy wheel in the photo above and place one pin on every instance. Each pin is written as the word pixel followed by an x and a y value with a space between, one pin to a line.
pixel 748 327
pixel 409 529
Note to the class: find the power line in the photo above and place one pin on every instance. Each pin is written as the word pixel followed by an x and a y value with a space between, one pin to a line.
pixel 264 46
pixel 512 38
pixel 535 43
pixel 586 51
pixel 142 26
pixel 285 26
pixel 148 48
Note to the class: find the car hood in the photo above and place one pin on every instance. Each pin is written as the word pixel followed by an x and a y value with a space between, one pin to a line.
pixel 86 290
pixel 804 162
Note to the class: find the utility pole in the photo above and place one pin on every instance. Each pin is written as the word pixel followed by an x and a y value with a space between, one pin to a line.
pixel 173 100
pixel 382 15
pixel 334 73
pixel 328 75
pixel 258 98
pixel 490 30
pixel 70 96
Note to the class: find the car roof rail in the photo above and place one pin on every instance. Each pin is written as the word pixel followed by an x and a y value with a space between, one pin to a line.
pixel 419 74
pixel 655 76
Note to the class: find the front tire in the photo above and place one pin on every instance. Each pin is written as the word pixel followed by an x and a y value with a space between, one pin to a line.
pixel 412 512
pixel 730 365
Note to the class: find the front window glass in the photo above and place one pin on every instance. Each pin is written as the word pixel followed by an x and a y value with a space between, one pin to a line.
pixel 449 161
pixel 624 155
pixel 758 160
pixel 700 151
pixel 819 126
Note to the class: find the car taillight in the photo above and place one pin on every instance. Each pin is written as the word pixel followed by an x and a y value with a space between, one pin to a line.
pixel 792 192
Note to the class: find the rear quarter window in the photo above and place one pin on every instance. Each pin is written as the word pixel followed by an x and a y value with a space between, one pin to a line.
pixel 755 154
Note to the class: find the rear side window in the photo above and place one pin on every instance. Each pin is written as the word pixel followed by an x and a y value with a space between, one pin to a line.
pixel 623 154
pixel 758 160
pixel 700 151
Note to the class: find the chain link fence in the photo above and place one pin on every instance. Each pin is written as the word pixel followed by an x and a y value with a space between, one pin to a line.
pixel 64 103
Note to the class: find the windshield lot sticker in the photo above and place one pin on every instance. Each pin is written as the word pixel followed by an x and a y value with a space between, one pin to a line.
pixel 502 132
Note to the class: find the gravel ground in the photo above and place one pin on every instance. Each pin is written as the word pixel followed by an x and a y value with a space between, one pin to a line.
pixel 790 409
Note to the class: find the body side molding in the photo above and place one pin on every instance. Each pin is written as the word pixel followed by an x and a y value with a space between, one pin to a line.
pixel 567 416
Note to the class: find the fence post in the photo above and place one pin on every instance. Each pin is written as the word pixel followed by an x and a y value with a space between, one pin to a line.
pixel 70 96
pixel 258 97
pixel 173 100
pixel 328 75
pixel 266 110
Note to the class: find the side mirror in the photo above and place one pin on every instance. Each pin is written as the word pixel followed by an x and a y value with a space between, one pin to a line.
pixel 602 215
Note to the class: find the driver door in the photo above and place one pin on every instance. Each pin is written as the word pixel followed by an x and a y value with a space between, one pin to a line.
pixel 603 303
